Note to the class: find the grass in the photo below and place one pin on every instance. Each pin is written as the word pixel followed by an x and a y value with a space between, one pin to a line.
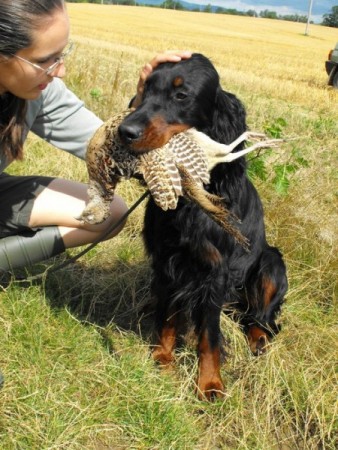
pixel 75 345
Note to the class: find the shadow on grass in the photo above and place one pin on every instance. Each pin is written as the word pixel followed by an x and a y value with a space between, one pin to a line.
pixel 117 295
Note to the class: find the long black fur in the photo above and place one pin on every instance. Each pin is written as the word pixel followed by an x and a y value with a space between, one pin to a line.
pixel 198 268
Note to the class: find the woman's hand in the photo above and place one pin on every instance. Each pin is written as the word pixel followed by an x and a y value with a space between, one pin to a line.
pixel 168 56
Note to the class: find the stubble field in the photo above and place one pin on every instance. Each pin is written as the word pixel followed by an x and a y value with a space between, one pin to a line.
pixel 75 345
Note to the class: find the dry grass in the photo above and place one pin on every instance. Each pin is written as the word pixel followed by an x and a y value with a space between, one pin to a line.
pixel 74 386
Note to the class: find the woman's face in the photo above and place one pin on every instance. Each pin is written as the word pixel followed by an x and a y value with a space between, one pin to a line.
pixel 21 78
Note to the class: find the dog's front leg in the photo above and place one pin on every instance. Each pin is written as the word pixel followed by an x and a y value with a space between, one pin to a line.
pixel 163 351
pixel 209 384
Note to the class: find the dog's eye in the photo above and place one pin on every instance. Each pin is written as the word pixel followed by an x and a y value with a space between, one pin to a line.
pixel 180 96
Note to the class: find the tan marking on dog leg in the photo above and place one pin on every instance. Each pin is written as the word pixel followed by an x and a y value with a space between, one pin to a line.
pixel 163 351
pixel 209 384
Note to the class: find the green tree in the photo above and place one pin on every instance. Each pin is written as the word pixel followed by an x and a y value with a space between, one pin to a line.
pixel 268 14
pixel 84 1
pixel 251 13
pixel 220 10
pixel 294 18
pixel 331 20
pixel 171 4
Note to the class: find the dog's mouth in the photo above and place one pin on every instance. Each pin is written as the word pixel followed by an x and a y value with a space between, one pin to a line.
pixel 156 134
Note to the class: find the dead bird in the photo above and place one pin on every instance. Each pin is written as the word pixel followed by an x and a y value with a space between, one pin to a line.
pixel 180 168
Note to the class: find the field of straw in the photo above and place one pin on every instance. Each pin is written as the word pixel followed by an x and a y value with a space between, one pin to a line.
pixel 75 344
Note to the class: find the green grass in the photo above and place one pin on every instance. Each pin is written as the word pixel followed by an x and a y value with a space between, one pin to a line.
pixel 75 344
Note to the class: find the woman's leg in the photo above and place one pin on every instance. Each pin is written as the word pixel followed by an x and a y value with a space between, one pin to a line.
pixel 64 200
pixel 39 219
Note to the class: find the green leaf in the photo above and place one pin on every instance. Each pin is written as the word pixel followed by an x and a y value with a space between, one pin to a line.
pixel 298 157
pixel 257 169
pixel 275 129
pixel 281 181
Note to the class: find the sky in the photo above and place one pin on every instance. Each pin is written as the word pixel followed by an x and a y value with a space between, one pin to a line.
pixel 282 7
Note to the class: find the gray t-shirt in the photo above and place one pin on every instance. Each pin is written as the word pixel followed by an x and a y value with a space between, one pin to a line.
pixel 59 117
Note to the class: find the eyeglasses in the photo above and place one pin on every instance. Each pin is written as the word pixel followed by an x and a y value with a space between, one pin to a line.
pixel 58 61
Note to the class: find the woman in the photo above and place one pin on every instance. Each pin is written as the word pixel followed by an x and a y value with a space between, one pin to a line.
pixel 38 214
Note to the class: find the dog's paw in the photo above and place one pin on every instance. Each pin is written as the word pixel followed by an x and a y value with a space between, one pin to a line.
pixel 210 390
pixel 258 340
pixel 162 357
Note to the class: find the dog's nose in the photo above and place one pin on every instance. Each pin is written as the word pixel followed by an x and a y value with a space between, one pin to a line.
pixel 129 133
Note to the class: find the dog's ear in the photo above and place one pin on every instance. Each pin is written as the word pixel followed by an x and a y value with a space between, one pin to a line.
pixel 229 117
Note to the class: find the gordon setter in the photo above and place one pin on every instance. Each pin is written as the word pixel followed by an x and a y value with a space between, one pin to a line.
pixel 198 268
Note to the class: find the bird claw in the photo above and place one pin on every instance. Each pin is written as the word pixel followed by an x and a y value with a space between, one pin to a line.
pixel 253 136
pixel 273 143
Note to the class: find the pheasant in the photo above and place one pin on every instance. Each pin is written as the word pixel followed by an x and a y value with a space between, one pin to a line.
pixel 179 168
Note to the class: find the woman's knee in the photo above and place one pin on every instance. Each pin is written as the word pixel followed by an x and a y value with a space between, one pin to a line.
pixel 59 204
pixel 63 201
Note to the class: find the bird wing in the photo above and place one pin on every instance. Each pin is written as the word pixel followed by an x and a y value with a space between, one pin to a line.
pixel 107 162
pixel 161 176
pixel 190 155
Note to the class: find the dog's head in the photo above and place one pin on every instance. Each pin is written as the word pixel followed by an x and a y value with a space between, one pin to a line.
pixel 178 96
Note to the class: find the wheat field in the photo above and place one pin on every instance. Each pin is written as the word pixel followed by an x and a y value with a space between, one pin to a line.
pixel 75 344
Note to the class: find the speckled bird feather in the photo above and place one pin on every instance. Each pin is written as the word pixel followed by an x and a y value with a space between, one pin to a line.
pixel 179 168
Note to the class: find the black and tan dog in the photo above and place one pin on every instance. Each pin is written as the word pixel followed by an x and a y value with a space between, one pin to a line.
pixel 198 268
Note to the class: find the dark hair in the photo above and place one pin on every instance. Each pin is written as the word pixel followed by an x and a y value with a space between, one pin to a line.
pixel 18 19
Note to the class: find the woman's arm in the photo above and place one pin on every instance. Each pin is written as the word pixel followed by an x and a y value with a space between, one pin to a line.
pixel 61 118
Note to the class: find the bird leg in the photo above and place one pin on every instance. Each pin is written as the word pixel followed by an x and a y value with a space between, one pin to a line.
pixel 269 143
pixel 221 153
pixel 221 149
pixel 226 156
pixel 246 136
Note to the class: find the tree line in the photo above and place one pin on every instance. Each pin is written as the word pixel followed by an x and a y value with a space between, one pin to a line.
pixel 329 20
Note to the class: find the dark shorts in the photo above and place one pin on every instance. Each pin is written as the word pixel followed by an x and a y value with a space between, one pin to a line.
pixel 17 196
